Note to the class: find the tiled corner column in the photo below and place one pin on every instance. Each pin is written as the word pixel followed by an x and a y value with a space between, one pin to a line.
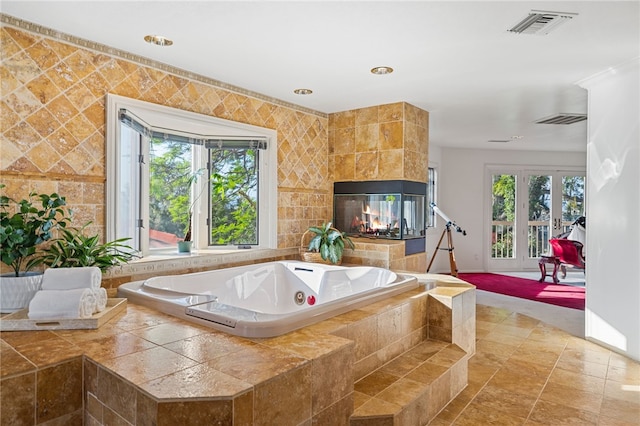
pixel 452 313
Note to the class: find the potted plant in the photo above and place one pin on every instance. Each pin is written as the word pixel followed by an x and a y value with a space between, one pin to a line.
pixel 327 244
pixel 25 225
pixel 184 246
pixel 75 249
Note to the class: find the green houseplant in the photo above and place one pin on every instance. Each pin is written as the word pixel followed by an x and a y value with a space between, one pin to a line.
pixel 24 226
pixel 75 249
pixel 328 242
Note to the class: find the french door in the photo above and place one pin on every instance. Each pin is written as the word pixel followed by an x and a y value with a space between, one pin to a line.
pixel 528 207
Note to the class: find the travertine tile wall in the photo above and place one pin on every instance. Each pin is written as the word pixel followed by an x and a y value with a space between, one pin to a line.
pixel 52 100
pixel 53 123
pixel 383 253
pixel 384 142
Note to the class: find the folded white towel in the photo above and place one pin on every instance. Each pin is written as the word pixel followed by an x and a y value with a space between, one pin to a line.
pixel 68 278
pixel 63 304
pixel 101 299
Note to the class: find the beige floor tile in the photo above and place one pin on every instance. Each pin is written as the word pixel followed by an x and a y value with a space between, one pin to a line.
pixel 505 400
pixel 513 330
pixel 519 366
pixel 475 414
pixel 520 382
pixel 545 333
pixel 565 395
pixel 622 391
pixel 583 367
pixel 522 321
pixel 550 413
pixel 577 381
pixel 608 421
pixel 500 350
pixel 628 374
pixel 617 409
pixel 500 337
pixel 588 355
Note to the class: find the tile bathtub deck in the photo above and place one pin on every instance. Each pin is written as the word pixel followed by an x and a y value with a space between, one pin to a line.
pixel 524 372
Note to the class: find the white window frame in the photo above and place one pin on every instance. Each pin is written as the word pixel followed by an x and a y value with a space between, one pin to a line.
pixel 432 219
pixel 194 123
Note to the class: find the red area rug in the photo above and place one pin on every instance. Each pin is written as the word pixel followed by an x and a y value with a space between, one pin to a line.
pixel 555 294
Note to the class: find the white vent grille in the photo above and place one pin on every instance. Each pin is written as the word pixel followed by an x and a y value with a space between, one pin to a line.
pixel 541 22
pixel 562 119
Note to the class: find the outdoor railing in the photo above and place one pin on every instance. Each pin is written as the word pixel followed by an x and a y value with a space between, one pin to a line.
pixel 538 237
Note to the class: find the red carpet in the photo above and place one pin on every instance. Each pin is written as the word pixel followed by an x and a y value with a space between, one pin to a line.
pixel 554 294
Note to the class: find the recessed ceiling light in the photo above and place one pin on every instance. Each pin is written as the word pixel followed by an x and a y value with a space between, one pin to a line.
pixel 303 91
pixel 381 70
pixel 158 40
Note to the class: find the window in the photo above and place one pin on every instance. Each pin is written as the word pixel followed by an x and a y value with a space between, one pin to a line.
pixel 431 197
pixel 195 176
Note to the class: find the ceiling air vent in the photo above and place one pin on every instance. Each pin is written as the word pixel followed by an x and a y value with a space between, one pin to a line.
pixel 498 141
pixel 562 119
pixel 541 22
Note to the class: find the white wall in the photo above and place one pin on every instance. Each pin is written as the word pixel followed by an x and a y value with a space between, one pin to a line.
pixel 464 197
pixel 613 209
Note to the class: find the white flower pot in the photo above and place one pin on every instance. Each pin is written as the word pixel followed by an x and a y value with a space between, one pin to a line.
pixel 17 292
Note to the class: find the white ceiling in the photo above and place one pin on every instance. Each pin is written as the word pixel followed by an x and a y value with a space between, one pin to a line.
pixel 454 59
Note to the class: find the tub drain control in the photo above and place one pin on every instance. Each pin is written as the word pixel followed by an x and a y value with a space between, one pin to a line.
pixel 299 298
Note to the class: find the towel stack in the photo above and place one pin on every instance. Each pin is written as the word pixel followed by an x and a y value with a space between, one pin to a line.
pixel 69 293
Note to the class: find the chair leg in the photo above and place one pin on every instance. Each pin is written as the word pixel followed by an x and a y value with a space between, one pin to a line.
pixel 543 271
pixel 555 273
pixel 564 271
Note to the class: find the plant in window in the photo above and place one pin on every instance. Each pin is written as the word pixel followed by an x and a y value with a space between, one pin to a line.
pixel 191 181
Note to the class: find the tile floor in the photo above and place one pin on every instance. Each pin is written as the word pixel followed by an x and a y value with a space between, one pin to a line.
pixel 532 367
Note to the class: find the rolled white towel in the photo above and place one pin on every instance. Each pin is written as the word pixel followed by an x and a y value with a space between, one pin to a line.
pixel 101 299
pixel 62 304
pixel 68 278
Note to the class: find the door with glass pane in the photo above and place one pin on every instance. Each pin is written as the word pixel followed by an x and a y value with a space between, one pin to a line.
pixel 555 201
pixel 504 238
pixel 529 208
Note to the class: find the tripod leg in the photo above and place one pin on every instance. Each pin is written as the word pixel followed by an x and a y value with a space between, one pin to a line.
pixel 452 256
pixel 435 251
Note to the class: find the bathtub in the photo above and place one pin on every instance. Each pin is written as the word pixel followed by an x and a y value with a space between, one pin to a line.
pixel 267 299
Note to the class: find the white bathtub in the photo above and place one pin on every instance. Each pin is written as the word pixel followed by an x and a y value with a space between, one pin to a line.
pixel 267 299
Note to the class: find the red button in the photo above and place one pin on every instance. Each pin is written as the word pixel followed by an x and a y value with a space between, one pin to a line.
pixel 311 300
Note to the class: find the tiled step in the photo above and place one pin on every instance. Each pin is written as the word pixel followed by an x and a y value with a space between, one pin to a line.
pixel 412 388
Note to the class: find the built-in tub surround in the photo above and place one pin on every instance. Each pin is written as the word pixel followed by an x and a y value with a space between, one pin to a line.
pixel 146 367
pixel 267 299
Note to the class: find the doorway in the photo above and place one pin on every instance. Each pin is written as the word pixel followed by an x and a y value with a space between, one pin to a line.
pixel 528 207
